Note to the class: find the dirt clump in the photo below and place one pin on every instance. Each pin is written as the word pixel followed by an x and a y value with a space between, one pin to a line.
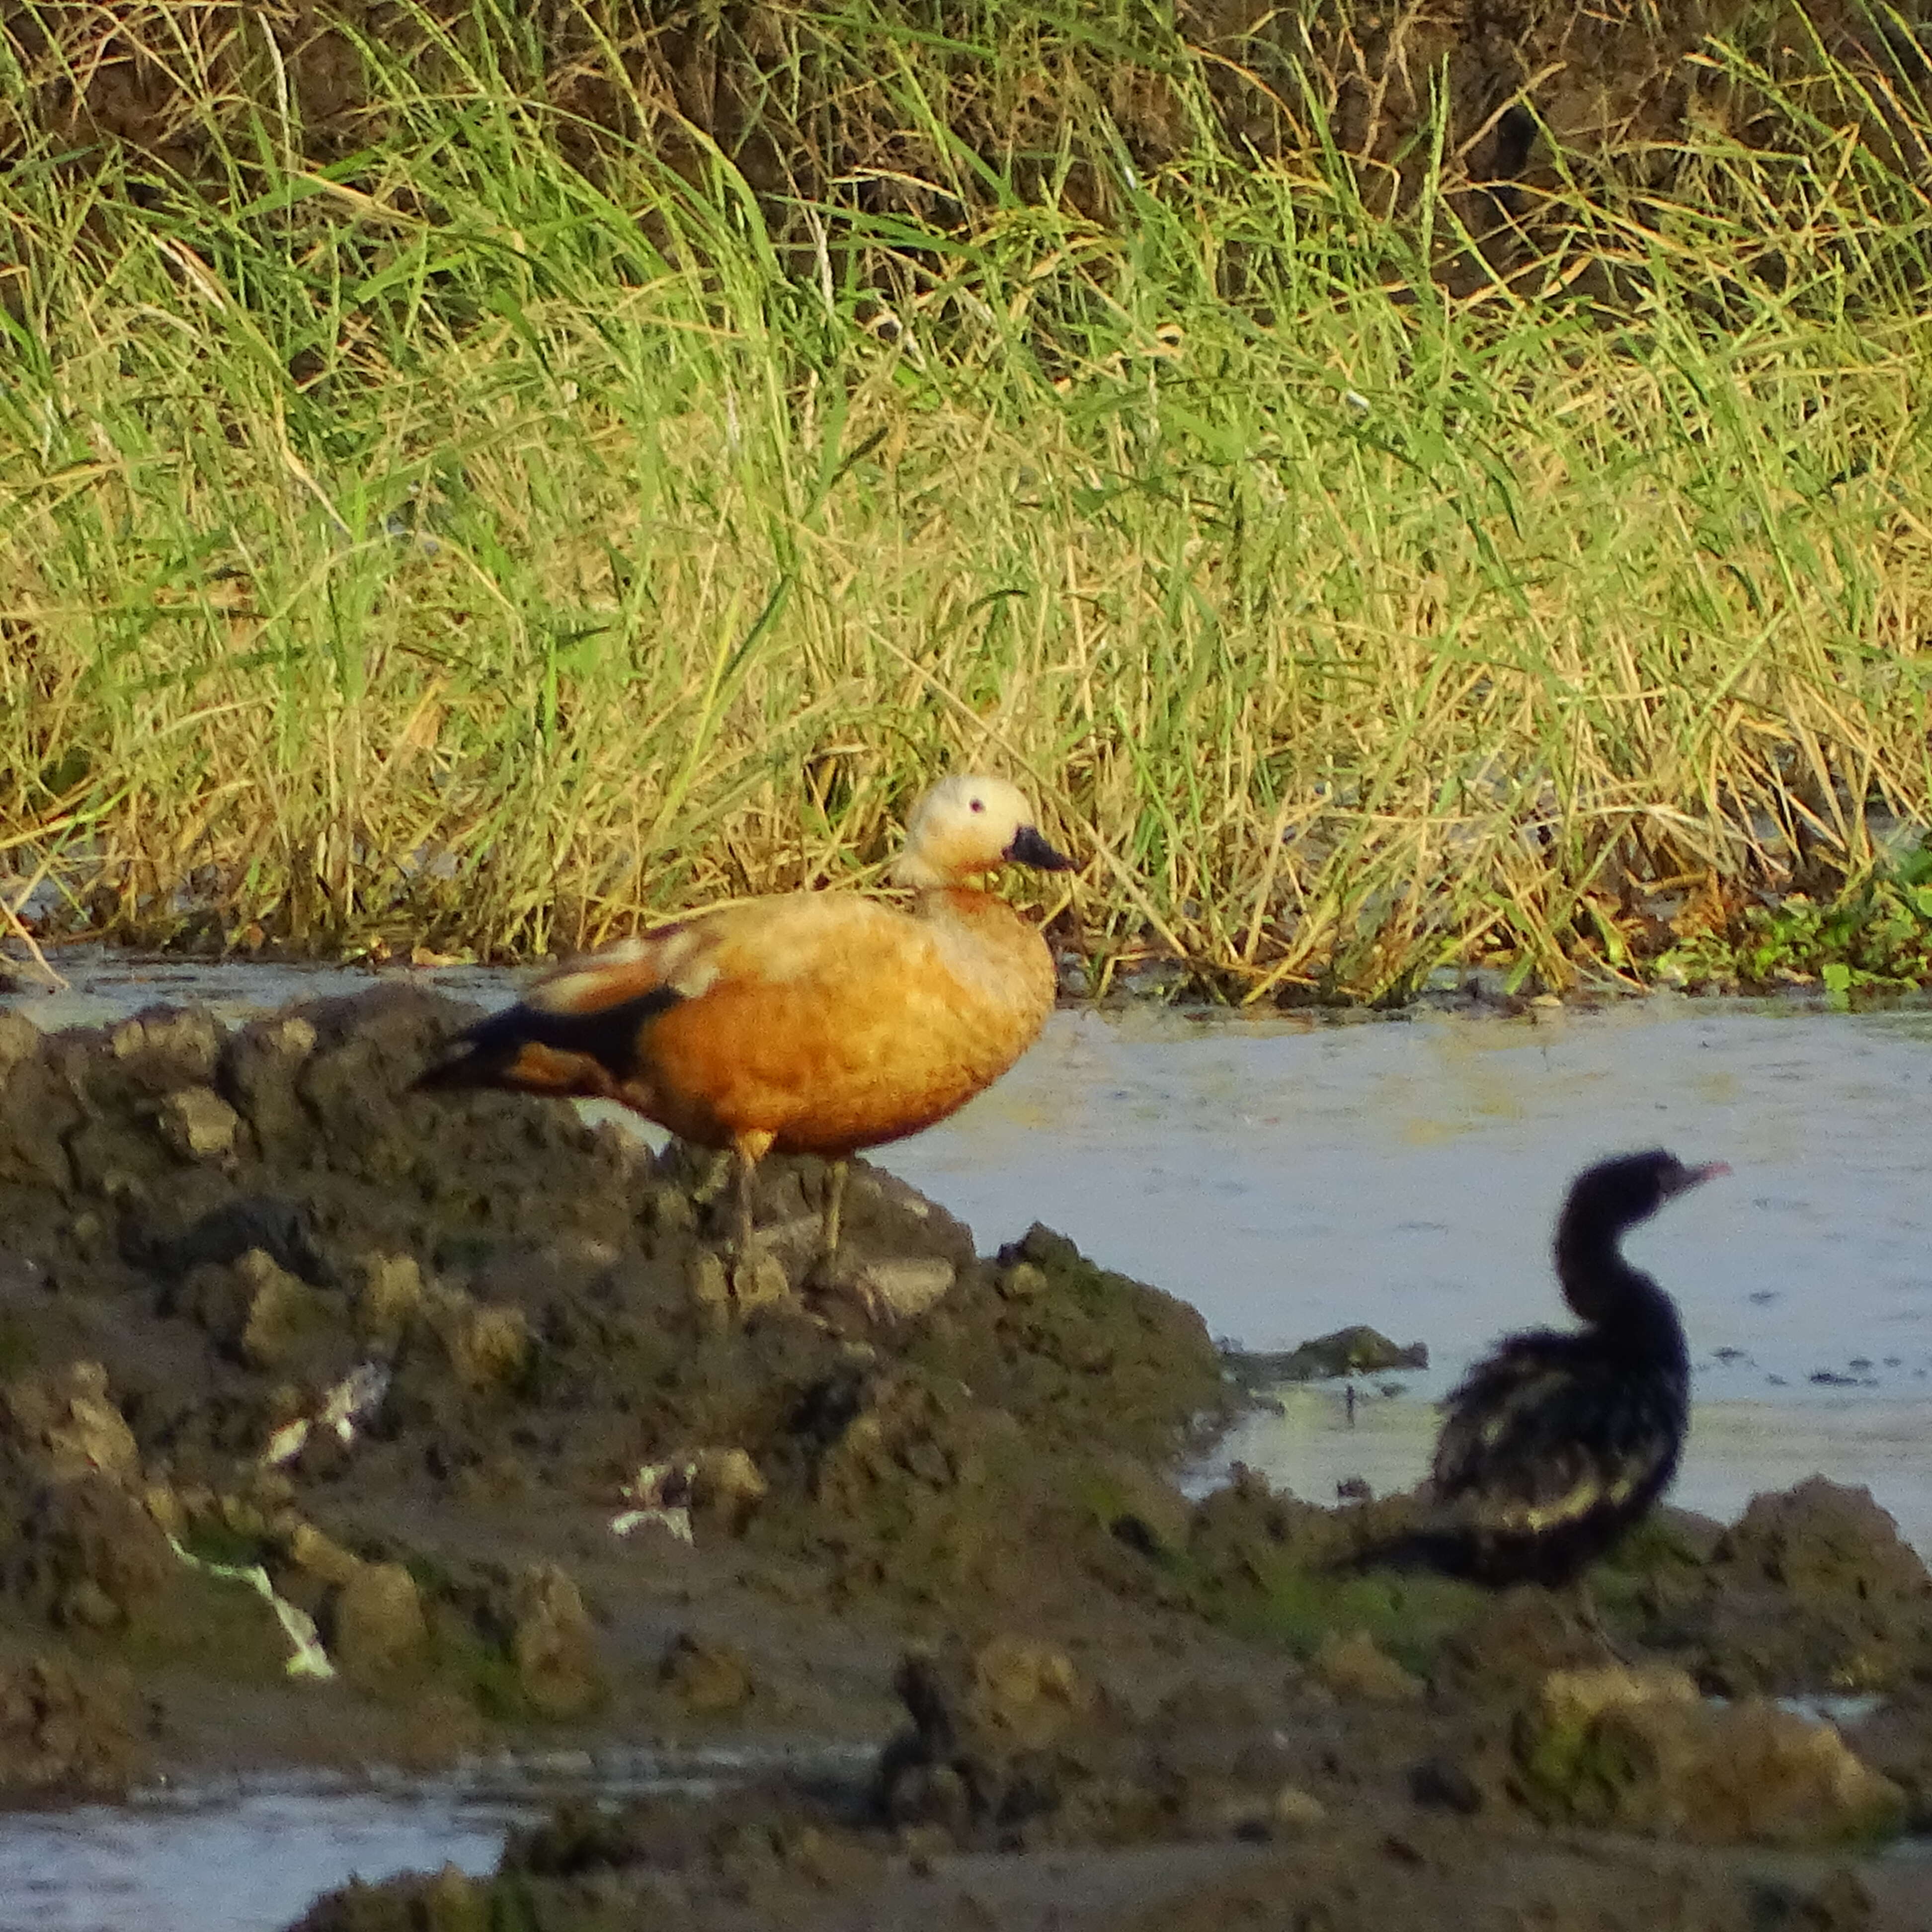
pixel 1813 1589
pixel 376 1626
pixel 67 1731
pixel 400 1365
pixel 554 1644
pixel 1356 1350
pixel 1638 1749
pixel 708 1677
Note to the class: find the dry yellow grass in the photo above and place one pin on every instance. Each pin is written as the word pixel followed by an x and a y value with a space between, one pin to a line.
pixel 445 550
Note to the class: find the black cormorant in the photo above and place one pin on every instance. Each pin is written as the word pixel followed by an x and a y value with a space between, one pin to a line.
pixel 1554 1444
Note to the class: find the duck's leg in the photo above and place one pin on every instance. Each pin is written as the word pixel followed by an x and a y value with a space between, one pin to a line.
pixel 721 1167
pixel 747 1150
pixel 834 1208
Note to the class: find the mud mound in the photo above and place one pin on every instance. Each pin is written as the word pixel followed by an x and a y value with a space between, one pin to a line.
pixel 1012 1751
pixel 1812 1589
pixel 262 1308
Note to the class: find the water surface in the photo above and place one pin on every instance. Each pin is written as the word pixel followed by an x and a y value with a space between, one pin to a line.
pixel 1287 1176
pixel 251 1855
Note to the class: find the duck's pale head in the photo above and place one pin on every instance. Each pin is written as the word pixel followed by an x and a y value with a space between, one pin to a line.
pixel 968 824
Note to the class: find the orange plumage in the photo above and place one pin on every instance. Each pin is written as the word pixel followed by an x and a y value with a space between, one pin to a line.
pixel 815 1023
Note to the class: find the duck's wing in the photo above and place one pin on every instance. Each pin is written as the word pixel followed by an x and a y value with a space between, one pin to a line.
pixel 585 1028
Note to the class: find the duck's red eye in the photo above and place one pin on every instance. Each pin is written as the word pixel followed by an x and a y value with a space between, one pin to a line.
pixel 979 805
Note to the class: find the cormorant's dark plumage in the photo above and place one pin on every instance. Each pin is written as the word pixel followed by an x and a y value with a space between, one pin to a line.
pixel 1558 1442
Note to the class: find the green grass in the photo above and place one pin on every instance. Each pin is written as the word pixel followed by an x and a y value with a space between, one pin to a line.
pixel 457 543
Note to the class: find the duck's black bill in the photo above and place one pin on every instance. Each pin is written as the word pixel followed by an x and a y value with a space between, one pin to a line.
pixel 1029 848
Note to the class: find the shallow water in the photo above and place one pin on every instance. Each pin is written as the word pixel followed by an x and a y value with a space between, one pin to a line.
pixel 1287 1176
pixel 249 1857
pixel 1290 1174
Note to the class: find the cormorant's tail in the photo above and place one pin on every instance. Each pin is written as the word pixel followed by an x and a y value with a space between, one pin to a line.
pixel 1442 1551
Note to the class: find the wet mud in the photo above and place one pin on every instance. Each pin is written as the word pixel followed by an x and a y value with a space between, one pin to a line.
pixel 340 1423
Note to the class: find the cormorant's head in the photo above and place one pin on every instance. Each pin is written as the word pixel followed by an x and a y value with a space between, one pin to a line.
pixel 1619 1193
pixel 1603 1201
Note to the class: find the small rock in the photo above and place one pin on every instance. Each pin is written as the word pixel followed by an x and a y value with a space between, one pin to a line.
pixel 709 1286
pixel 1022 1282
pixel 20 1039
pixel 1024 1693
pixel 721 1294
pixel 725 1484
pixel 198 1124
pixel 65 1421
pixel 709 1677
pixel 668 1210
pixel 90 1554
pixel 553 1644
pixel 1355 1350
pixel 163 1505
pixel 65 1728
pixel 759 1282
pixel 1295 1810
pixel 187 1036
pixel 900 1290
pixel 1639 1751
pixel 388 1297
pixel 488 1343
pixel 322 1556
pixel 377 1627
pixel 1352 1666
pixel 993 1736
pixel 284 1314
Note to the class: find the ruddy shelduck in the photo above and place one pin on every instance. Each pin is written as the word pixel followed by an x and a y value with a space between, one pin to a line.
pixel 818 1023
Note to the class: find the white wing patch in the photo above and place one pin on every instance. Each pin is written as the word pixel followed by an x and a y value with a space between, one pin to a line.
pixel 571 992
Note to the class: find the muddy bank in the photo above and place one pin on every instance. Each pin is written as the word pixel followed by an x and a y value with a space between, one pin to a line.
pixel 1020 1794
pixel 410 1360
pixel 339 1423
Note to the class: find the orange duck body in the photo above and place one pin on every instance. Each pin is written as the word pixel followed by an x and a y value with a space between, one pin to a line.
pixel 817 1023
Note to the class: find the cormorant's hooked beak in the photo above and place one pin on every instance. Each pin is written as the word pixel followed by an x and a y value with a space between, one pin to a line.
pixel 1695 1177
pixel 1029 848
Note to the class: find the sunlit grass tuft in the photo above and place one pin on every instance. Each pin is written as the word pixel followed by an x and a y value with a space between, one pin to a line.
pixel 450 547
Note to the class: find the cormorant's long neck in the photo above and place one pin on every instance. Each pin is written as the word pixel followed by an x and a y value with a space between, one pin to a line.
pixel 1621 1302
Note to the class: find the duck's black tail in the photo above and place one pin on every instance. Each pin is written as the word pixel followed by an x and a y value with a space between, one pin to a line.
pixel 535 1050
pixel 482 1055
